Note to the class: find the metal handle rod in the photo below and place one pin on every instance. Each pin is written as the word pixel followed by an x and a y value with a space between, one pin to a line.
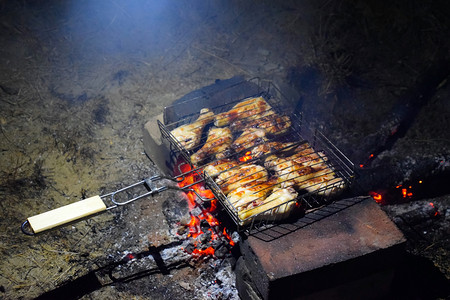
pixel 149 181
pixel 94 205
pixel 81 209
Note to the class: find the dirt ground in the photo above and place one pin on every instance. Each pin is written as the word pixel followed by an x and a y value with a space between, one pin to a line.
pixel 79 79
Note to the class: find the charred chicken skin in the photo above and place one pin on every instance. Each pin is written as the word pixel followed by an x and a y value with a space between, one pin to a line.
pixel 306 169
pixel 234 178
pixel 216 167
pixel 251 193
pixel 271 122
pixel 325 182
pixel 304 155
pixel 248 109
pixel 288 171
pixel 217 144
pixel 276 206
pixel 189 135
pixel 268 148
pixel 249 138
pixel 307 156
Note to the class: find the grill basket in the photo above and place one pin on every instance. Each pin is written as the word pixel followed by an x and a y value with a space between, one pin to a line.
pixel 222 99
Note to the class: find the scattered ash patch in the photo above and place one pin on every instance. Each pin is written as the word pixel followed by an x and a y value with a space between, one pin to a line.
pixel 426 225
pixel 217 280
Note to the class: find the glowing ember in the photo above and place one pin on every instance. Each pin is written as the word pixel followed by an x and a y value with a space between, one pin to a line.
pixel 194 227
pixel 246 157
pixel 225 233
pixel 207 251
pixel 204 214
pixel 406 193
pixel 129 256
pixel 377 197
pixel 368 161
pixel 436 213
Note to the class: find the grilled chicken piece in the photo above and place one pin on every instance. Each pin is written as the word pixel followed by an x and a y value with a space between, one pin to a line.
pixel 307 156
pixel 268 148
pixel 218 143
pixel 219 166
pixel 189 135
pixel 248 193
pixel 306 170
pixel 249 138
pixel 304 155
pixel 248 109
pixel 268 210
pixel 272 123
pixel 325 182
pixel 232 179
pixel 289 172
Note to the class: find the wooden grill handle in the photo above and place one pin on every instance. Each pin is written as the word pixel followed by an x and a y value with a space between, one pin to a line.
pixel 66 214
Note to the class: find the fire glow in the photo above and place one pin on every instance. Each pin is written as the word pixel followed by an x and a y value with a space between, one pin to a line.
pixel 246 157
pixel 376 196
pixel 206 214
pixel 406 191
pixel 436 211
pixel 369 159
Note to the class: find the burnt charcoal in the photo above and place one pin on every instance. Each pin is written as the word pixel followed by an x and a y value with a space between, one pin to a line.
pixel 204 225
pixel 203 246
pixel 407 108
pixel 205 238
pixel 196 211
pixel 217 243
pixel 189 248
pixel 390 172
pixel 222 251
pixel 235 237
pixel 182 229
pixel 222 247
pixel 418 216
pixel 176 210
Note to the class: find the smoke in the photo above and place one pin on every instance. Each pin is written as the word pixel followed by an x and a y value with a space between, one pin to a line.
pixel 112 27
pixel 122 27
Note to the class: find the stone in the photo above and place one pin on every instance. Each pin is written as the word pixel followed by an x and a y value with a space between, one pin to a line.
pixel 291 264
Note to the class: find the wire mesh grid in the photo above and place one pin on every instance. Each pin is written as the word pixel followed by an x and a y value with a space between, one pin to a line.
pixel 298 133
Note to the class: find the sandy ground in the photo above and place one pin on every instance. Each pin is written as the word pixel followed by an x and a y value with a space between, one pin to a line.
pixel 78 81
